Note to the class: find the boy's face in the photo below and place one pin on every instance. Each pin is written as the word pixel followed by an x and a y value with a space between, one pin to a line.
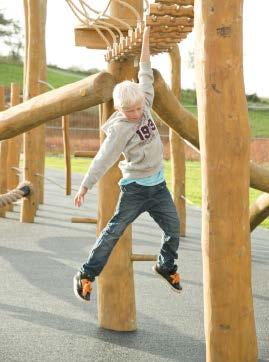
pixel 134 112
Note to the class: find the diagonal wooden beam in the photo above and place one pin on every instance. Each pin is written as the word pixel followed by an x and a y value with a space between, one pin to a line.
pixel 169 109
pixel 70 98
pixel 259 211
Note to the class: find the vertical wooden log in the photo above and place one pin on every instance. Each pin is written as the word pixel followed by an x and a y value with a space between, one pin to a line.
pixel 3 156
pixel 122 12
pixel 116 297
pixel 177 150
pixel 67 158
pixel 32 88
pixel 26 41
pixel 225 149
pixel 14 147
pixel 42 88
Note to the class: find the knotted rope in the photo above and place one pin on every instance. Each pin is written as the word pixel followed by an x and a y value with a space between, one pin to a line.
pixel 24 189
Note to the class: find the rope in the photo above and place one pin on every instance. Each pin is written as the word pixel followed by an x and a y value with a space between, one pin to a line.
pixel 74 8
pixel 112 26
pixel 24 189
pixel 102 13
pixel 102 36
pixel 108 16
pixel 110 32
pixel 71 5
pixel 89 22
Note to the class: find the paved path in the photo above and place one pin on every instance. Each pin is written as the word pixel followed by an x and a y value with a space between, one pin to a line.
pixel 41 320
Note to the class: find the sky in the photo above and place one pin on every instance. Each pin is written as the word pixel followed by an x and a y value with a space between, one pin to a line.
pixel 61 49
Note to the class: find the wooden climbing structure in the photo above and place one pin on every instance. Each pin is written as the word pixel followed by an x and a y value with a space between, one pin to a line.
pixel 170 22
pixel 223 135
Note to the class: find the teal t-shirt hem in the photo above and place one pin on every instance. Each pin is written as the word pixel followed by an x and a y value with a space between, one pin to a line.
pixel 153 180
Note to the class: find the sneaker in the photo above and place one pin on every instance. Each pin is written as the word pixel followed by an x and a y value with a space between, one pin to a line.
pixel 172 278
pixel 82 287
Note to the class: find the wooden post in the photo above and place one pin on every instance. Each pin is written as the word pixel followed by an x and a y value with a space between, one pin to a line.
pixel 31 89
pixel 116 297
pixel 33 140
pixel 177 148
pixel 42 88
pixel 225 149
pixel 14 147
pixel 67 154
pixel 3 156
pixel 122 12
pixel 26 36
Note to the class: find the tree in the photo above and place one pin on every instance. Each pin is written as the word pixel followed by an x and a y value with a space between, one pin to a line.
pixel 4 23
pixel 11 34
pixel 15 41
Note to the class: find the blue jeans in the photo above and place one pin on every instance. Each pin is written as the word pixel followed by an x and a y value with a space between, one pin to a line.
pixel 134 200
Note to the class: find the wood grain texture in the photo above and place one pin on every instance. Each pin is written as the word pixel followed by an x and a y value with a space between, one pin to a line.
pixel 225 150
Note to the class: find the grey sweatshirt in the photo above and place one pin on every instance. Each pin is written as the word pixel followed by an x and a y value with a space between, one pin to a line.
pixel 139 142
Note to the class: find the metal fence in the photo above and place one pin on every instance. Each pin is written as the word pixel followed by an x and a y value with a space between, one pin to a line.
pixel 84 132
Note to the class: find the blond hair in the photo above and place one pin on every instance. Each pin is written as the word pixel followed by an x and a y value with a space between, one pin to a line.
pixel 126 94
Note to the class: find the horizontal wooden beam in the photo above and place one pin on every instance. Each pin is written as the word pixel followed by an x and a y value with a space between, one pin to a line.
pixel 178 2
pixel 154 21
pixel 89 154
pixel 83 220
pixel 142 257
pixel 172 10
pixel 170 29
pixel 89 38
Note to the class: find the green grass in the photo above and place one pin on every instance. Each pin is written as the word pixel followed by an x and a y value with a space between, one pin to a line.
pixel 11 73
pixel 259 123
pixel 78 165
pixel 56 77
pixel 193 178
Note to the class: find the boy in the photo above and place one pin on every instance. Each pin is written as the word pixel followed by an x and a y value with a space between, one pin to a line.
pixel 132 131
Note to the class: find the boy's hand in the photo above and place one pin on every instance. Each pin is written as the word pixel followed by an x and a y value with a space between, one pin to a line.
pixel 79 198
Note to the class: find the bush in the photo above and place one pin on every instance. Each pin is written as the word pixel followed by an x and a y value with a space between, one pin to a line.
pixel 253 98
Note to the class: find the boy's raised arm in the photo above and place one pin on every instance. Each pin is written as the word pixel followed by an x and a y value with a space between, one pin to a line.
pixel 145 74
pixel 145 53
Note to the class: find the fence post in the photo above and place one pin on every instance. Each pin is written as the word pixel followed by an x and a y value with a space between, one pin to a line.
pixel 3 156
